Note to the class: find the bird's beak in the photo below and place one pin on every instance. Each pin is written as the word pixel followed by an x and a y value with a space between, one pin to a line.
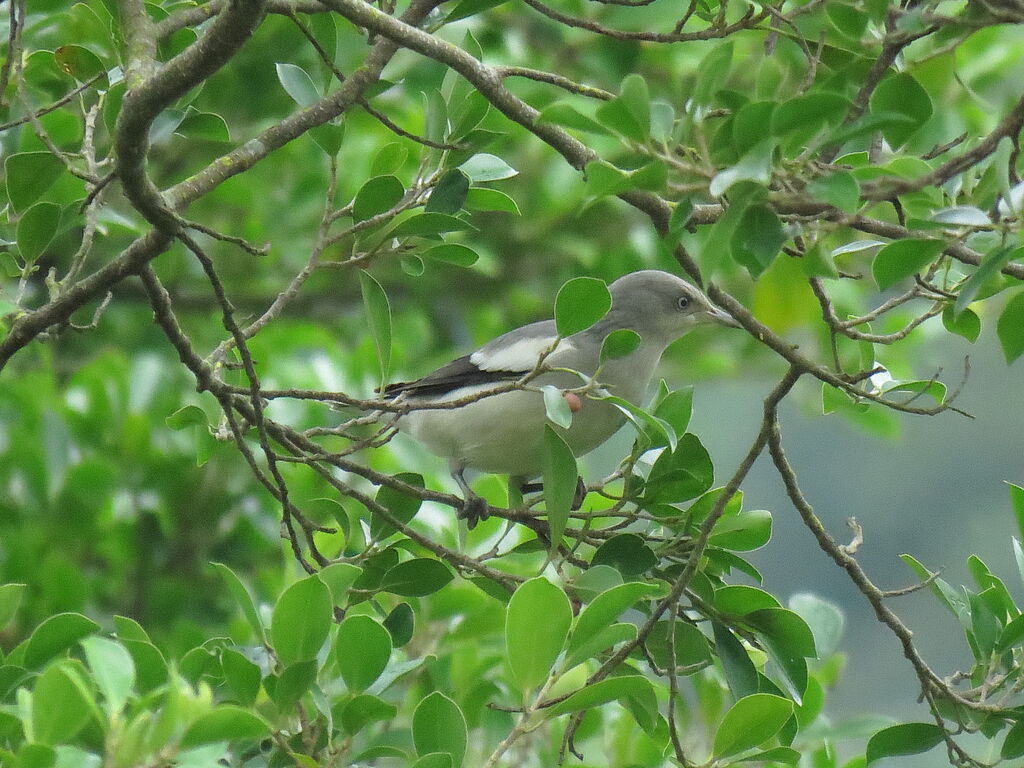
pixel 720 316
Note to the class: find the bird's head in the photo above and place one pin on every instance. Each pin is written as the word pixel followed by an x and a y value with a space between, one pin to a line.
pixel 660 306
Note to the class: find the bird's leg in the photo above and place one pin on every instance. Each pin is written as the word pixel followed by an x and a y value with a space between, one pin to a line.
pixel 474 507
pixel 577 499
pixel 580 495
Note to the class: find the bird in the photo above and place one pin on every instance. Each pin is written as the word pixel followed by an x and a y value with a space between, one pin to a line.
pixel 503 433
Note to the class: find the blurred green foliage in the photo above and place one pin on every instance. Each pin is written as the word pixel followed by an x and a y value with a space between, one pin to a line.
pixel 796 171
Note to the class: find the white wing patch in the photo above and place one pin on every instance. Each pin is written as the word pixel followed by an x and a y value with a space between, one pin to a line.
pixel 521 355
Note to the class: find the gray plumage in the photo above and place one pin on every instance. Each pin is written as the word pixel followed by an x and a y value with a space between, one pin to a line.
pixel 503 434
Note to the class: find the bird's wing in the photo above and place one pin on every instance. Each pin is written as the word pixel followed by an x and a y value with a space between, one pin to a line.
pixel 506 358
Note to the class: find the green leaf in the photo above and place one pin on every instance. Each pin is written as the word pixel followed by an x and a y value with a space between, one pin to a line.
pixel 607 607
pixel 751 721
pixel 55 635
pixel 362 650
pixel 755 165
pixel 378 317
pixel 29 175
pixel 580 303
pixel 786 755
pixel 204 125
pixel 962 215
pixel 740 673
pixel 470 113
pixel 129 629
pixel 291 685
pixel 363 710
pixel 676 408
pixel 301 620
pixel 399 624
pixel 438 725
pixel 450 193
pixel 903 739
pixel 60 705
pixel 567 116
pixel 556 407
pixel 187 416
pixel 329 136
pixel 434 760
pixel 560 479
pixel 427 224
pixel 379 194
pixel 988 269
pixel 818 263
pixel 949 596
pixel 150 666
pixel 712 72
pixel 629 114
pixel 484 199
pixel 902 94
pixel 966 324
pixel 680 475
pixel 757 239
pixel 825 620
pixel 452 253
pixel 36 229
pixel 112 669
pixel 1013 744
pixel 468 8
pixel 741 599
pixel 1018 556
pixel 31 756
pixel 417 578
pixel 653 429
pixel 604 179
pixel 856 246
pixel 848 20
pixel 743 532
pixel 934 389
pixel 903 258
pixel 839 190
pixel 634 96
pixel 339 578
pixel 1016 499
pixel 79 62
pixel 596 694
pixel 402 507
pixel 808 113
pixel 749 123
pixel 619 343
pixel 536 626
pixel 628 553
pixel 297 84
pixel 240 592
pixel 1010 328
pixel 788 640
pixel 691 646
pixel 225 722
pixel 10 599
pixel 599 641
pixel 242 676
pixel 485 167
pixel 389 159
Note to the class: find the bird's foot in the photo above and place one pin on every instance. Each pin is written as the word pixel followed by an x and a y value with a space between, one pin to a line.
pixel 577 499
pixel 474 509
pixel 580 495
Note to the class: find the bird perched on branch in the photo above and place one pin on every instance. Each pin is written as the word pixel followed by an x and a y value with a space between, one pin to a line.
pixel 504 433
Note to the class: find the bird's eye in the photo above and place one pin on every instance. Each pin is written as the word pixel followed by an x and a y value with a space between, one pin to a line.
pixel 683 302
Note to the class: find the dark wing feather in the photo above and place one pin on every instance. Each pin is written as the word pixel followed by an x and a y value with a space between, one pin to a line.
pixel 456 374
